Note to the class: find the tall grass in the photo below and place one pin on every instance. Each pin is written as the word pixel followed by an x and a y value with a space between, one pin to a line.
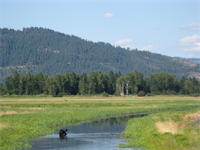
pixel 143 132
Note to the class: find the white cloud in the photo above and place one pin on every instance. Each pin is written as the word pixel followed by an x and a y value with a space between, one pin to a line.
pixel 197 43
pixel 189 39
pixel 193 49
pixel 108 15
pixel 192 26
pixel 191 43
pixel 159 28
pixel 147 48
pixel 197 48
pixel 124 41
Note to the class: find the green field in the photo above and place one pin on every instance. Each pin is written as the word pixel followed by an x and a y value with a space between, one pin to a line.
pixel 25 117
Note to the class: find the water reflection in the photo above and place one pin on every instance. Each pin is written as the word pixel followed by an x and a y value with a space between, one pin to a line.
pixel 97 134
pixel 119 120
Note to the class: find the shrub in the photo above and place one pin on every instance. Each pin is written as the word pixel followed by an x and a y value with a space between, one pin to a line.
pixel 45 93
pixel 156 92
pixel 60 94
pixel 196 94
pixel 104 94
pixel 141 93
pixel 163 92
pixel 168 92
pixel 150 94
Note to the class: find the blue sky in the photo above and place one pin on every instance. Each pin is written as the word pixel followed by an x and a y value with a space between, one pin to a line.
pixel 167 27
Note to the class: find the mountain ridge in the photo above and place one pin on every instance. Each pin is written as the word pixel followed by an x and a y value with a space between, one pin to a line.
pixel 195 60
pixel 37 50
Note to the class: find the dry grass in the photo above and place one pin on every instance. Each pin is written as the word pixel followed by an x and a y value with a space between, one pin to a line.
pixel 169 126
pixel 2 126
pixel 151 106
pixel 155 117
pixel 26 112
pixel 175 128
pixel 5 107
pixel 8 113
pixel 193 132
pixel 14 112
pixel 27 99
pixel 75 98
pixel 32 108
pixel 192 117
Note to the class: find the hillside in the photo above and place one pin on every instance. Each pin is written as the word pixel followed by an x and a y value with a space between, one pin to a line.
pixel 195 60
pixel 37 50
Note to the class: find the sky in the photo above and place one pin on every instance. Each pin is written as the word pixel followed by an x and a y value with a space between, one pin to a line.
pixel 167 27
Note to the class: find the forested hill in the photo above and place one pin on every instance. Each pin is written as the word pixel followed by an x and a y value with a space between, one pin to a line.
pixel 37 50
pixel 196 60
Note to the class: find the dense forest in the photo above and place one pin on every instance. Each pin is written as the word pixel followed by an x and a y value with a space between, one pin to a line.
pixel 99 83
pixel 43 50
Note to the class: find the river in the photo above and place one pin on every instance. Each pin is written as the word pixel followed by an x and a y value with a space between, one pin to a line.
pixel 101 134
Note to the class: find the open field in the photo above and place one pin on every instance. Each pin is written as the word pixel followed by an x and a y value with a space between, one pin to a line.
pixel 25 117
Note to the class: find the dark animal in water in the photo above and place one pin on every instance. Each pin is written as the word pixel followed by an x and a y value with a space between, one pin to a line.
pixel 62 132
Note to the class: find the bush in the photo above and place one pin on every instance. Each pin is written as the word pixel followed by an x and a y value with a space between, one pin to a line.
pixel 181 92
pixel 150 94
pixel 116 93
pixel 163 92
pixel 156 93
pixel 196 94
pixel 104 94
pixel 168 92
pixel 45 93
pixel 60 94
pixel 141 93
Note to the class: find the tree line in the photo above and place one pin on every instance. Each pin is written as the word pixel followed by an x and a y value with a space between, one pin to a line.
pixel 99 83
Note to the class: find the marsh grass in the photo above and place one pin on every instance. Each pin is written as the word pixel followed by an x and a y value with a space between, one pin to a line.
pixel 166 130
pixel 36 116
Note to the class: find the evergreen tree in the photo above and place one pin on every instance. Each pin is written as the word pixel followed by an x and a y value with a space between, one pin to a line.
pixel 74 80
pixel 52 86
pixel 105 82
pixel 3 90
pixel 83 87
pixel 10 84
pixel 28 84
pixel 66 83
pixel 112 83
pixel 92 83
pixel 100 79
pixel 22 84
pixel 16 82
pixel 41 83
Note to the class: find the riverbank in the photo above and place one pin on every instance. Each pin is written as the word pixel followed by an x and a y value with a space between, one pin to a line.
pixel 24 118
pixel 166 130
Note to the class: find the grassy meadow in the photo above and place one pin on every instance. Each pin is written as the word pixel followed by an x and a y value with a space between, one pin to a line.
pixel 171 123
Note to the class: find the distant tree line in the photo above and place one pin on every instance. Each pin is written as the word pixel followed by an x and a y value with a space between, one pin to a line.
pixel 99 83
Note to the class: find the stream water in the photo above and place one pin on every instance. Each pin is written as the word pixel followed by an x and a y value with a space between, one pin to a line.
pixel 94 135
